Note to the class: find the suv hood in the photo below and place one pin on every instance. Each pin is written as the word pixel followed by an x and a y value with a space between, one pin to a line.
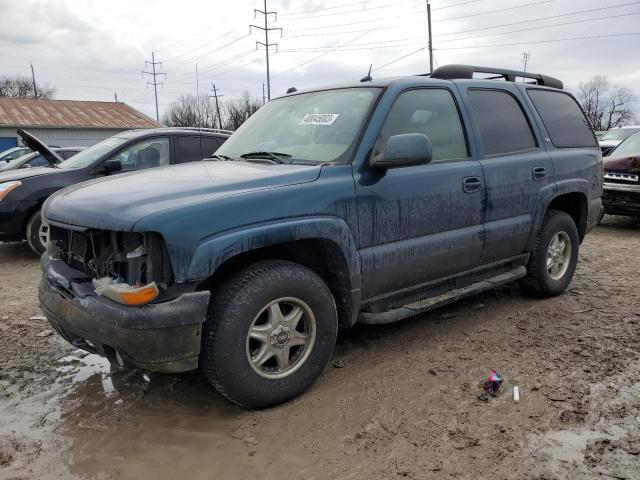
pixel 119 201
pixel 37 146
pixel 622 164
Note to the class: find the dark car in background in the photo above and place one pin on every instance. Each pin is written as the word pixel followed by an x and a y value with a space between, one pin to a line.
pixel 615 137
pixel 621 189
pixel 35 159
pixel 23 191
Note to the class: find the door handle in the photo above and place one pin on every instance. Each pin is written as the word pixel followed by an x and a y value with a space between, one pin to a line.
pixel 539 173
pixel 471 184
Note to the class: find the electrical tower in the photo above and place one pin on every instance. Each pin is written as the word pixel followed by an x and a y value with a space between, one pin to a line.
pixel 430 46
pixel 154 74
pixel 266 43
pixel 525 58
pixel 216 95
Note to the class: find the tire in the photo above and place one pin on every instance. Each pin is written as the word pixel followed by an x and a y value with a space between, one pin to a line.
pixel 251 300
pixel 541 280
pixel 32 232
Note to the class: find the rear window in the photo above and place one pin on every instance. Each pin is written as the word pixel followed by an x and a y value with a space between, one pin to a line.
pixel 562 117
pixel 503 126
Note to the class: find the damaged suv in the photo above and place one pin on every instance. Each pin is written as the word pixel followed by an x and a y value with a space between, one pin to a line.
pixel 368 202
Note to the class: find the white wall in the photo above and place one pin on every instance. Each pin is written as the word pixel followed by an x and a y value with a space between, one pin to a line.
pixel 64 137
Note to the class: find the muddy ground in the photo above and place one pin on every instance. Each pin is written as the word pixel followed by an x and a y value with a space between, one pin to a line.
pixel 404 404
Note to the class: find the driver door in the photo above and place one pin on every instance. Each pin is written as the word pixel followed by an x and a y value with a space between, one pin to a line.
pixel 424 222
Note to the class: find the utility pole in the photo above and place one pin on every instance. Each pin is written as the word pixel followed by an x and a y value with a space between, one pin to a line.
pixel 215 95
pixel 266 43
pixel 154 74
pixel 430 42
pixel 525 59
pixel 115 94
pixel 33 76
pixel 264 98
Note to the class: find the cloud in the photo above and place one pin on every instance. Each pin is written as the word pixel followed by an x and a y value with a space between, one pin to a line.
pixel 90 49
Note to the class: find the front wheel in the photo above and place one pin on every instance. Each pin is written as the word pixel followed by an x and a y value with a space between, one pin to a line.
pixel 269 333
pixel 37 233
pixel 554 257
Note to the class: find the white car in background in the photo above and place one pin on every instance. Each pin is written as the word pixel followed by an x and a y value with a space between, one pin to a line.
pixel 615 136
pixel 7 156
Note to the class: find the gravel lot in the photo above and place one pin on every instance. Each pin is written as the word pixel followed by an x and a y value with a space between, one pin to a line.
pixel 404 402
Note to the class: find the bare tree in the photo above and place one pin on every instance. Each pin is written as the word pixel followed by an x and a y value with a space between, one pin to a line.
pixel 22 87
pixel 606 106
pixel 236 111
pixel 190 111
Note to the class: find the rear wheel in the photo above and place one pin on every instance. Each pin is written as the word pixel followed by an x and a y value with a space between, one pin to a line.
pixel 37 233
pixel 554 257
pixel 270 331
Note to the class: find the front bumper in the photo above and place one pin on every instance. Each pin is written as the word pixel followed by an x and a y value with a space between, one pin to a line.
pixel 13 217
pixel 621 199
pixel 163 337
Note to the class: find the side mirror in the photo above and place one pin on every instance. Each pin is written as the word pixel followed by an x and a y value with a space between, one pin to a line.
pixel 111 166
pixel 404 150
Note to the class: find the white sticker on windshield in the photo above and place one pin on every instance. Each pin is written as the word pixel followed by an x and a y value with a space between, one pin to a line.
pixel 320 118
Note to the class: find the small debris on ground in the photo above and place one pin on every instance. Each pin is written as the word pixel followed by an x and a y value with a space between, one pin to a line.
pixel 338 364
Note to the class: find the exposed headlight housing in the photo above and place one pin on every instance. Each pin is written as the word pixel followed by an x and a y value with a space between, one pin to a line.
pixel 6 187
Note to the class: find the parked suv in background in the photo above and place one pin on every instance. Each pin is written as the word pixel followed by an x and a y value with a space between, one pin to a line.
pixel 366 202
pixel 621 191
pixel 13 153
pixel 22 192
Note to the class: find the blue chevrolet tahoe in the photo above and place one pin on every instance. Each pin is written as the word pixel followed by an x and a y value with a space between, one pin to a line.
pixel 367 202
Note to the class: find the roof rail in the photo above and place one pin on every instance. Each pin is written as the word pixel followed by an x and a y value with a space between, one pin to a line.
pixel 451 72
pixel 199 129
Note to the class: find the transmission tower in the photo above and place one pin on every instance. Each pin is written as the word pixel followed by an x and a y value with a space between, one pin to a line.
pixel 266 29
pixel 155 75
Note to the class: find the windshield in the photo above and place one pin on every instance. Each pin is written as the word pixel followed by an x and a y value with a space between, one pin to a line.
pixel 92 154
pixel 310 127
pixel 630 147
pixel 13 164
pixel 619 133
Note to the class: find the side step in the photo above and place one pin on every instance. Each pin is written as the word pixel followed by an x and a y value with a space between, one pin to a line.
pixel 451 296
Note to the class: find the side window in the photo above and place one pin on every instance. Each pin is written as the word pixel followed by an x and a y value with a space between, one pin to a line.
pixel 209 145
pixel 501 122
pixel 432 112
pixel 146 154
pixel 65 154
pixel 187 149
pixel 562 117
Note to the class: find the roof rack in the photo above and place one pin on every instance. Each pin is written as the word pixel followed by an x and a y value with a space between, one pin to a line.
pixel 200 129
pixel 451 72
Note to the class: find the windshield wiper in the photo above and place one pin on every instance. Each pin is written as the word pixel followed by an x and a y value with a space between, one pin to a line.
pixel 215 156
pixel 276 156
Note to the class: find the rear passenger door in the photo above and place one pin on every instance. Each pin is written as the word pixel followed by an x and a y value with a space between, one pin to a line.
pixel 424 222
pixel 515 165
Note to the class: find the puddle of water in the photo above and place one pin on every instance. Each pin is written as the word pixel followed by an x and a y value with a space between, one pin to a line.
pixel 569 446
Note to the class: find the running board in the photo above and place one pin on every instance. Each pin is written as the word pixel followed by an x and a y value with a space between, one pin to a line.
pixel 421 306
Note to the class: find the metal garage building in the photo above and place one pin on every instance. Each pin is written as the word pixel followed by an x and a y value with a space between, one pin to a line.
pixel 66 123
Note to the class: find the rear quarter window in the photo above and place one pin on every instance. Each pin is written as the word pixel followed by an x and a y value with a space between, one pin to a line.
pixel 503 126
pixel 563 119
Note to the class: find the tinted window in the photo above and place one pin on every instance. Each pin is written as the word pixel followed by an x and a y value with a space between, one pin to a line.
pixel 208 146
pixel 146 154
pixel 563 119
pixel 501 122
pixel 188 149
pixel 432 112
pixel 67 153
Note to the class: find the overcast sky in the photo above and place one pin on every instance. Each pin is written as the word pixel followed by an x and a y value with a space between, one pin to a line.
pixel 90 49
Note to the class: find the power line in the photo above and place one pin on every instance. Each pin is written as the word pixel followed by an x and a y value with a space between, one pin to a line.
pixel 266 29
pixel 323 9
pixel 155 83
pixel 500 10
pixel 543 18
pixel 400 58
pixel 540 27
pixel 377 7
pixel 542 41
